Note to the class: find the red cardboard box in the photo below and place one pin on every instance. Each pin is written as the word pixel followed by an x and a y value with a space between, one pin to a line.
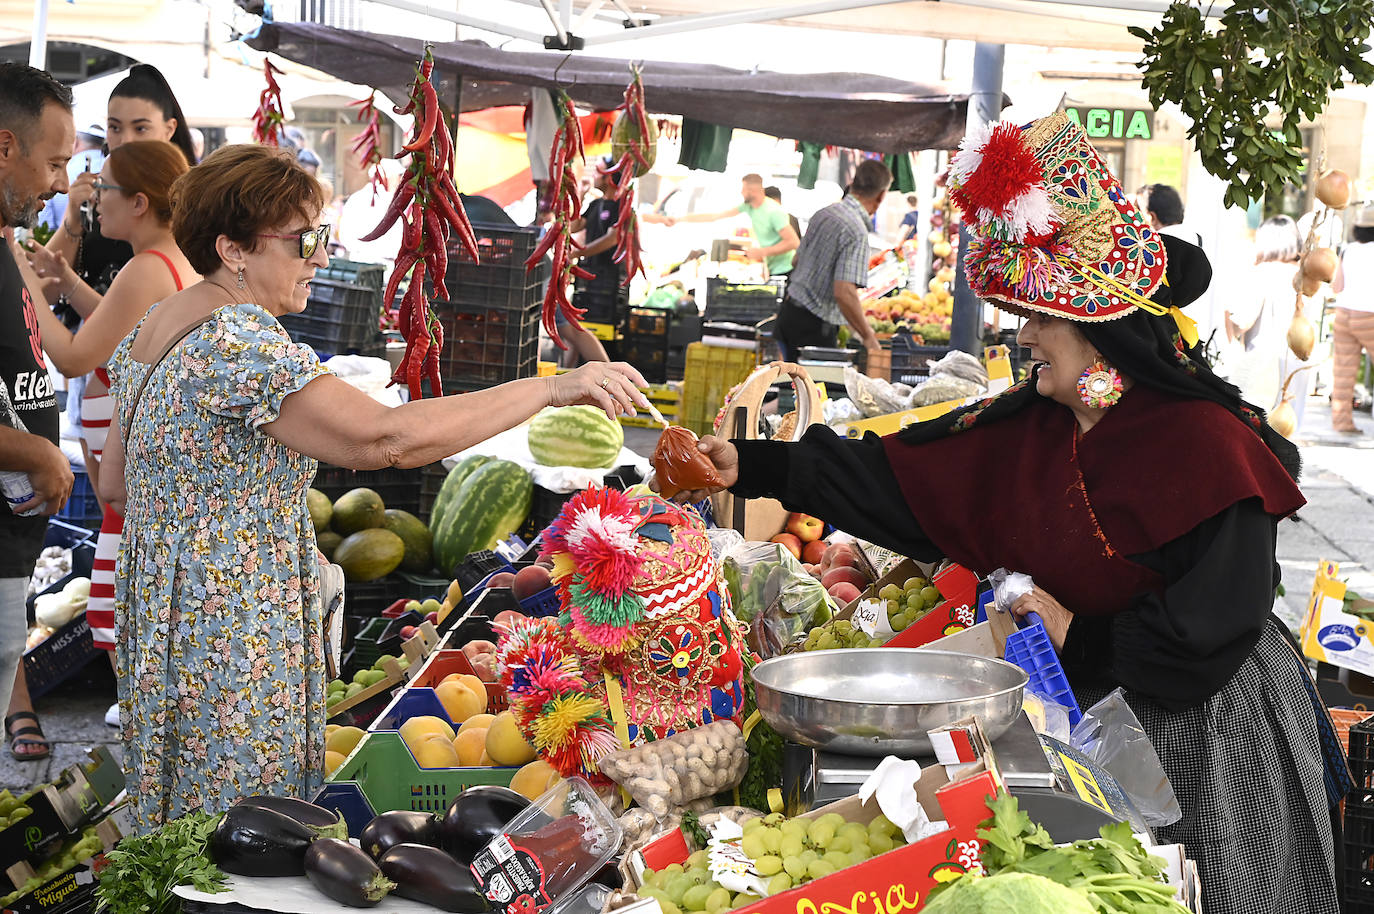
pixel 891 883
pixel 956 612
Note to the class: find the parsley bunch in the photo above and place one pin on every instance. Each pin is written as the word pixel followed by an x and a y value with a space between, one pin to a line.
pixel 1113 871
pixel 141 872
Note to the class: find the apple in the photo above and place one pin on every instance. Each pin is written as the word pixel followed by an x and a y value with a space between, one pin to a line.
pixel 806 528
pixel 813 552
pixel 530 581
pixel 501 579
pixel 844 592
pixel 432 618
pixel 408 632
pixel 849 575
pixel 789 542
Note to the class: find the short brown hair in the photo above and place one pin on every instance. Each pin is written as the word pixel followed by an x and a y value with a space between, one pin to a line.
pixel 239 192
pixel 149 167
pixel 871 178
pixel 752 178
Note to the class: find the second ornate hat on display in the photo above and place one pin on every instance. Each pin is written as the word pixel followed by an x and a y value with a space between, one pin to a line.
pixel 1052 229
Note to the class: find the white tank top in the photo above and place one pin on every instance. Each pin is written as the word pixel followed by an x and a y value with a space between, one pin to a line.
pixel 1357 263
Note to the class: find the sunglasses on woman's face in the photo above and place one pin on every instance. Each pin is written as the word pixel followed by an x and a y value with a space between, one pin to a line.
pixel 310 239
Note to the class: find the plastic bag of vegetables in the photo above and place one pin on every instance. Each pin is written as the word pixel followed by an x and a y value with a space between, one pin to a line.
pixel 773 593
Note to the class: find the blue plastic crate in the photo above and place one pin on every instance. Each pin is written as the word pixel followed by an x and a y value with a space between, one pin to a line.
pixel 544 603
pixel 411 703
pixel 348 801
pixel 1031 650
pixel 82 508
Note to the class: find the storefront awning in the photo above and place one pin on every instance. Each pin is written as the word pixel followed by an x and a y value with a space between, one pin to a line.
pixel 856 110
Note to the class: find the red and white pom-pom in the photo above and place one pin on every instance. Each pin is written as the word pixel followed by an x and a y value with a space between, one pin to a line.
pixel 597 527
pixel 999 183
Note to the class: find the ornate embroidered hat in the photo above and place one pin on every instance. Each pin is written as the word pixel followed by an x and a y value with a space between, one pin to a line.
pixel 1053 231
pixel 646 644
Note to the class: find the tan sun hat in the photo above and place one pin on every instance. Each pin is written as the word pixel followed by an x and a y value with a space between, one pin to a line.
pixel 1364 215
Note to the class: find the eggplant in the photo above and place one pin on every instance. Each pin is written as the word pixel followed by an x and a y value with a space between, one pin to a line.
pixel 400 826
pixel 345 874
pixel 324 822
pixel 427 874
pixel 477 815
pixel 256 841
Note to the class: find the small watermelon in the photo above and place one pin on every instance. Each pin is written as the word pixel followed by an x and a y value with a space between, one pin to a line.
pixel 575 436
pixel 492 503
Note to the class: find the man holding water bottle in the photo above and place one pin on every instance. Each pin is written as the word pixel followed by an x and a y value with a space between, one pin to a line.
pixel 36 137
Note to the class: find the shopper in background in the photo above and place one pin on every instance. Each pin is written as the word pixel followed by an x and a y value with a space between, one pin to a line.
pixel 36 139
pixel 832 265
pixel 774 193
pixel 775 240
pixel 87 155
pixel 1353 333
pixel 908 226
pixel 218 635
pixel 1257 320
pixel 132 205
pixel 1164 207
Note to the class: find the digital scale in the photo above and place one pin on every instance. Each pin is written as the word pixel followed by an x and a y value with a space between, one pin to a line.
pixel 1059 788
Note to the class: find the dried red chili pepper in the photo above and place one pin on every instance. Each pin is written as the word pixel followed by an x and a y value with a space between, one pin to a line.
pixel 565 207
pixel 270 116
pixel 632 161
pixel 367 144
pixel 428 204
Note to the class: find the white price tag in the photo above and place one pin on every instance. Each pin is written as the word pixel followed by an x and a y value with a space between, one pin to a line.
pixel 871 618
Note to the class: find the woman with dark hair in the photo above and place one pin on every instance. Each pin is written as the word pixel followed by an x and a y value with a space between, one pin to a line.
pixel 220 421
pixel 1258 316
pixel 1353 331
pixel 1140 492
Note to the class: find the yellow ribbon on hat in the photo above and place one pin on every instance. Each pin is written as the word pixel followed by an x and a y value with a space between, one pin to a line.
pixel 1187 327
pixel 615 703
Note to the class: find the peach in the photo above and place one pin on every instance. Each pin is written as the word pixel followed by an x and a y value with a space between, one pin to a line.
pixel 813 552
pixel 848 575
pixel 844 592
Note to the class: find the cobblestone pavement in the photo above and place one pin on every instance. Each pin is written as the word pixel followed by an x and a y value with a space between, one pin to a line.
pixel 1337 523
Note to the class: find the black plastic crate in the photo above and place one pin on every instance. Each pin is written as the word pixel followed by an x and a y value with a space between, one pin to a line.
pixel 474 569
pixel 62 655
pixel 649 354
pixel 502 253
pixel 82 508
pixel 369 598
pixel 339 317
pixel 486 345
pixel 911 361
pixel 544 507
pixel 398 488
pixel 741 304
pixel 431 481
pixel 1359 850
pixel 372 275
pixel 603 304
pixel 648 322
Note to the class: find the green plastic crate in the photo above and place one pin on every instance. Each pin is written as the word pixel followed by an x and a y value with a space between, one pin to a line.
pixel 384 770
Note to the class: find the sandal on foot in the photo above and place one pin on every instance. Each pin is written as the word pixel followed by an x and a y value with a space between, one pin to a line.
pixel 24 736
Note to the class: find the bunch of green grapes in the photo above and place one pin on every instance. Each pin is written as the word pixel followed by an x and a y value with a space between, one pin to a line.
pixel 838 633
pixel 909 602
pixel 786 852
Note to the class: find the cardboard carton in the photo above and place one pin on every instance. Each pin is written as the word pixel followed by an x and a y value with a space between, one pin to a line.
pixel 1332 634
pixel 999 379
pixel 955 613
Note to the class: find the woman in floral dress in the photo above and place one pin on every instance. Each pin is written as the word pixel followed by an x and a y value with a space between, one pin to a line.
pixel 218 617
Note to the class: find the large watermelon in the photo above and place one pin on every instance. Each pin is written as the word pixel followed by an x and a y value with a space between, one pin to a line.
pixel 575 436
pixel 449 490
pixel 491 503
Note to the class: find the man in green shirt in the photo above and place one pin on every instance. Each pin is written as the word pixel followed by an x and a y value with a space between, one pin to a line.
pixel 776 241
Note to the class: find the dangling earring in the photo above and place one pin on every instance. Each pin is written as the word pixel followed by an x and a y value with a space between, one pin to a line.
pixel 241 283
pixel 1099 386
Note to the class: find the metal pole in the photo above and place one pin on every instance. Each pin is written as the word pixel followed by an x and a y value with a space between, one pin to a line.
pixel 38 45
pixel 984 105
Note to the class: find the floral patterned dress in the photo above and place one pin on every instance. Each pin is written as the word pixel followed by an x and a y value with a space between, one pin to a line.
pixel 218 647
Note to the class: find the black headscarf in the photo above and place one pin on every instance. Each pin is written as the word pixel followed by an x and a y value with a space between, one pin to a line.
pixel 1149 350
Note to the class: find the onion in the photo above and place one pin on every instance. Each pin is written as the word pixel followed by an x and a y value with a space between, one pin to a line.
pixel 1305 285
pixel 1333 188
pixel 1302 335
pixel 1283 419
pixel 1319 264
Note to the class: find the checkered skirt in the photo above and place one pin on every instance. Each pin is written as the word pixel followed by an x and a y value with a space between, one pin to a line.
pixel 1247 767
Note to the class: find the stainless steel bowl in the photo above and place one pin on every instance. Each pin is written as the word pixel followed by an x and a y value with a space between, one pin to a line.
pixel 881 701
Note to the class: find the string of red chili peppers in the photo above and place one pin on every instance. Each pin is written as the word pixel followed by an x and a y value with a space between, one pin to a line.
pixel 428 206
pixel 270 116
pixel 365 144
pixel 633 162
pixel 566 206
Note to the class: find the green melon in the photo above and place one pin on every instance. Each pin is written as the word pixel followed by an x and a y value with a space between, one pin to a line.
pixel 321 509
pixel 369 554
pixel 491 504
pixel 449 490
pixel 358 509
pixel 327 541
pixel 418 540
pixel 626 131
pixel 575 436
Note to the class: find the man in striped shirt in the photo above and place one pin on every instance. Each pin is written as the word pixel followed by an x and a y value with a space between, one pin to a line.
pixel 831 266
